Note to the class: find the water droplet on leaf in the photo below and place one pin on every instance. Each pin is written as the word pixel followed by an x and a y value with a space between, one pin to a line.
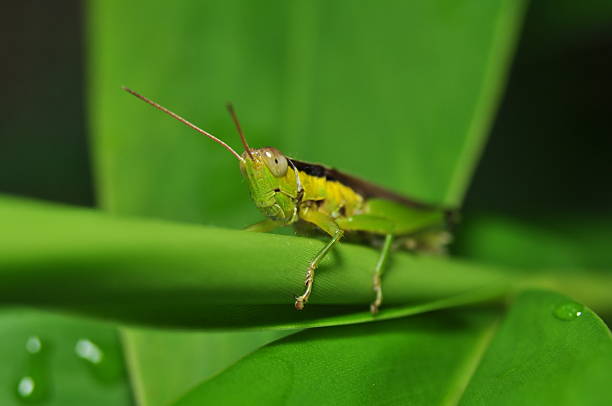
pixel 568 311
pixel 104 363
pixel 33 344
pixel 30 390
pixel 26 386
pixel 33 385
pixel 89 351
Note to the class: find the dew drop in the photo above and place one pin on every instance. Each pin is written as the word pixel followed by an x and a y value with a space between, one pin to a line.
pixel 89 351
pixel 33 345
pixel 33 384
pixel 104 363
pixel 25 387
pixel 568 311
pixel 29 390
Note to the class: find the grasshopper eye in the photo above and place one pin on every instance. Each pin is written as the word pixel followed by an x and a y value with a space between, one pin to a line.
pixel 275 161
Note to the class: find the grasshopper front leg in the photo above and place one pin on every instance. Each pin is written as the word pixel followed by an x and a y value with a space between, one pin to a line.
pixel 328 225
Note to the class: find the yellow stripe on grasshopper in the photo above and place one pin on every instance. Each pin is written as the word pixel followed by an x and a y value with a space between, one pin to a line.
pixel 334 195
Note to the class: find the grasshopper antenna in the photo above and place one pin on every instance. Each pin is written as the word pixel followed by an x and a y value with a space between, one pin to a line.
pixel 187 123
pixel 230 108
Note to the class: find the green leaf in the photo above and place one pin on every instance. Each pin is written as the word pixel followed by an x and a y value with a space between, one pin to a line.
pixel 545 357
pixel 192 276
pixel 59 360
pixel 165 364
pixel 462 357
pixel 405 361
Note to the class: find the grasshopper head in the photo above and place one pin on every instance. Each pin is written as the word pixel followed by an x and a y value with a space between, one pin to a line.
pixel 272 183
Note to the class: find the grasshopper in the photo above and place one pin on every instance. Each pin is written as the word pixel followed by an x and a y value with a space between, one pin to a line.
pixel 315 197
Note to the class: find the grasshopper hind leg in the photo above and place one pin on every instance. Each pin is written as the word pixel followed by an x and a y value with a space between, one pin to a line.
pixel 378 271
pixel 380 226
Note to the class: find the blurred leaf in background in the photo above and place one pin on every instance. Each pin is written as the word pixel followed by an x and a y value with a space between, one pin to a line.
pixel 416 90
pixel 43 140
pixel 540 196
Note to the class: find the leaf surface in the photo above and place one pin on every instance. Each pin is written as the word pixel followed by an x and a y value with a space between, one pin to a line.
pixel 463 357
pixel 166 274
pixel 60 360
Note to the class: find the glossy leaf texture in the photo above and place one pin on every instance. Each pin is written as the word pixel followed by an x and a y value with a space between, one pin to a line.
pixel 164 363
pixel 528 356
pixel 168 274
pixel 549 350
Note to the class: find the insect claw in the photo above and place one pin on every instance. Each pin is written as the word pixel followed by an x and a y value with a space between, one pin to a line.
pixel 378 290
pixel 300 300
pixel 374 309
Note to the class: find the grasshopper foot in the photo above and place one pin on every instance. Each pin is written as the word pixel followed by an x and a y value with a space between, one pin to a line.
pixel 301 300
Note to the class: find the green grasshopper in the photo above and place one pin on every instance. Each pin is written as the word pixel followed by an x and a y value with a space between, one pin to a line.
pixel 311 196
